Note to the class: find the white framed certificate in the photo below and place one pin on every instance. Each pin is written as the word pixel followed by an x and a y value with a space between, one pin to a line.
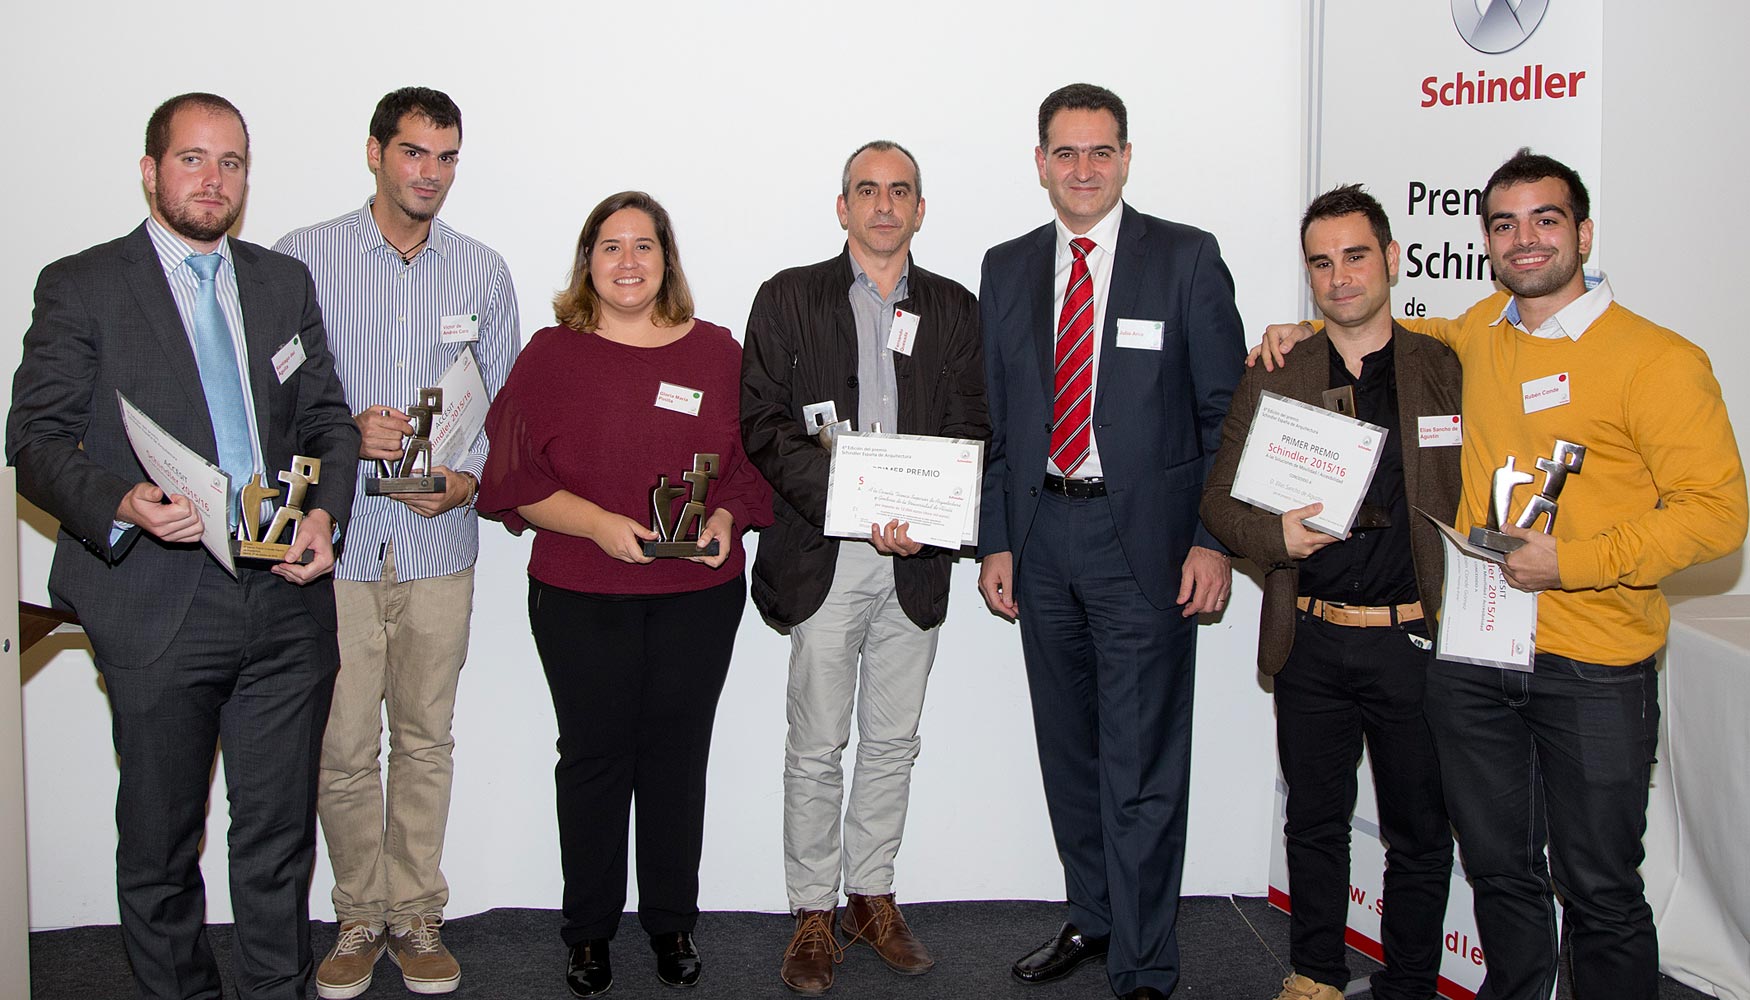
pixel 1297 453
pixel 465 402
pixel 178 469
pixel 931 483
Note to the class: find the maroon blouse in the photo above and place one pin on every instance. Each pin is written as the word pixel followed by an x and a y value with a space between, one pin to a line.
pixel 579 413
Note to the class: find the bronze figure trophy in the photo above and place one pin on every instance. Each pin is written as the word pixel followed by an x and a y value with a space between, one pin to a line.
pixel 678 536
pixel 1565 462
pixel 265 544
pixel 416 456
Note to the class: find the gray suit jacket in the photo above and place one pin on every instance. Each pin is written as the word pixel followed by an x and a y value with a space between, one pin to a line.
pixel 105 320
pixel 1428 377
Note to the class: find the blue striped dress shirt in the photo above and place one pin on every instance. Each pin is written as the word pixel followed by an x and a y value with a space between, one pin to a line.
pixel 173 255
pixel 383 318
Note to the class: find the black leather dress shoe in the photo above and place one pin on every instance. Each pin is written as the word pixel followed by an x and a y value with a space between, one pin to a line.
pixel 677 961
pixel 1144 993
pixel 1060 956
pixel 588 972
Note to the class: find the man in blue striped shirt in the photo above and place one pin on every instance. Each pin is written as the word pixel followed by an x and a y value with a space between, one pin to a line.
pixel 403 296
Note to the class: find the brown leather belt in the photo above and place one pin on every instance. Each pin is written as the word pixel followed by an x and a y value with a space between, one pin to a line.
pixel 1075 489
pixel 1361 615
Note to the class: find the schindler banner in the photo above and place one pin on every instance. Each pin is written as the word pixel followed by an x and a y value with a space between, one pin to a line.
pixel 1420 100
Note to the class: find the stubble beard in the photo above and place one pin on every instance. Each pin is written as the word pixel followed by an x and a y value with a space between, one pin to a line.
pixel 198 225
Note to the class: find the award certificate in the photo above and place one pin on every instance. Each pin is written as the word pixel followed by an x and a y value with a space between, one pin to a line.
pixel 453 431
pixel 1483 620
pixel 931 483
pixel 1297 453
pixel 175 468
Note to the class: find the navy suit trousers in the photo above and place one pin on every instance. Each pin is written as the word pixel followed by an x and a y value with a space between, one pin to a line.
pixel 1111 681
pixel 254 672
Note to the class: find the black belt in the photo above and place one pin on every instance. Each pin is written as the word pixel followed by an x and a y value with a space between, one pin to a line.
pixel 1077 489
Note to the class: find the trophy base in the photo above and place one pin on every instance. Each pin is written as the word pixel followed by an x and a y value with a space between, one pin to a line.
pixel 672 550
pixel 379 487
pixel 1494 541
pixel 270 551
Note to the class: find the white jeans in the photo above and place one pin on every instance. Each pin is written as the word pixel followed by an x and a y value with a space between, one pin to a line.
pixel 861 620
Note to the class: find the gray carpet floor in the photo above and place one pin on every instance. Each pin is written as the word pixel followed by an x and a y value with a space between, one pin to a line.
pixel 1233 949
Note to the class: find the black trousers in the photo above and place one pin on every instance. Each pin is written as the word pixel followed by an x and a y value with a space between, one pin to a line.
pixel 1111 682
pixel 1560 756
pixel 1342 685
pixel 253 671
pixel 635 682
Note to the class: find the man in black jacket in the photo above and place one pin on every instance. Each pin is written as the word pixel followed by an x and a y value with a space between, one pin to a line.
pixel 861 614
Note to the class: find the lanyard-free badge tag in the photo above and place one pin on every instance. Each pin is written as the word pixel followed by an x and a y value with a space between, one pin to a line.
pixel 678 398
pixel 288 359
pixel 1440 432
pixel 464 329
pixel 903 333
pixel 1544 393
pixel 1141 334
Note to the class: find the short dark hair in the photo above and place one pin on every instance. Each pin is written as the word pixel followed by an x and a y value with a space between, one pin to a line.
pixel 1525 167
pixel 1348 199
pixel 434 106
pixel 579 307
pixel 1082 97
pixel 158 126
pixel 882 146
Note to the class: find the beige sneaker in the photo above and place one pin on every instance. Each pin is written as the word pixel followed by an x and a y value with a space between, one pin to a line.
pixel 1298 987
pixel 426 965
pixel 346 972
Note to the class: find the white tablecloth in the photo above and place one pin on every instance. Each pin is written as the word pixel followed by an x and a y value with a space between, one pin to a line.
pixel 1698 820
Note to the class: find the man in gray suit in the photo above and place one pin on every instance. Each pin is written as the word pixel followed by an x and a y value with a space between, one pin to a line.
pixel 221 343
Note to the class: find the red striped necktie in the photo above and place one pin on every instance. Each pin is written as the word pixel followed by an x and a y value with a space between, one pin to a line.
pixel 1072 406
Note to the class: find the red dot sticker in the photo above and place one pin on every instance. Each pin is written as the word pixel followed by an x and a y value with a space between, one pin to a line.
pixel 1562 378
pixel 1455 418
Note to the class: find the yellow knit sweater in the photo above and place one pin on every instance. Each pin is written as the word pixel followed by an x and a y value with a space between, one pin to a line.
pixel 1661 488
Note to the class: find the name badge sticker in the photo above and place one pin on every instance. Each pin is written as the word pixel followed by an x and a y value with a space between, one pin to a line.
pixel 1546 393
pixel 1141 334
pixel 678 398
pixel 461 329
pixel 288 359
pixel 1440 432
pixel 903 333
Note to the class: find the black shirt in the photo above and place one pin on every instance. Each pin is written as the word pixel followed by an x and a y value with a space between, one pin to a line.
pixel 1373 565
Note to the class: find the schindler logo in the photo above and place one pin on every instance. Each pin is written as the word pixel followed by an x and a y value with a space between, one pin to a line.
pixel 1497 25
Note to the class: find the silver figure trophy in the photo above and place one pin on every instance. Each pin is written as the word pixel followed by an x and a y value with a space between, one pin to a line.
pixel 416 456
pixel 1566 461
pixel 257 543
pixel 679 536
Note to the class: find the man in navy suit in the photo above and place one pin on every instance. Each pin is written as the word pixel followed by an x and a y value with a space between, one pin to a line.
pixel 221 343
pixel 1112 346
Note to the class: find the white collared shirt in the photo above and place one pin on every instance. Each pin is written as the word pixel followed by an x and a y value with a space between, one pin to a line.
pixel 1105 236
pixel 1571 320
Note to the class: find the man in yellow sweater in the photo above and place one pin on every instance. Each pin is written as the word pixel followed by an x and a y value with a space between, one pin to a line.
pixel 1561 756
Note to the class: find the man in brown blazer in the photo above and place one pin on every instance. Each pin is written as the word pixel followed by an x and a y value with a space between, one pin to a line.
pixel 1346 626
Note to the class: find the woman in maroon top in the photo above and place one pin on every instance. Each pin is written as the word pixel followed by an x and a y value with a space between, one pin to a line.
pixel 628 388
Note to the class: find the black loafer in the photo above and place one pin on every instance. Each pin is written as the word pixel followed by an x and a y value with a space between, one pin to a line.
pixel 677 960
pixel 588 972
pixel 1060 956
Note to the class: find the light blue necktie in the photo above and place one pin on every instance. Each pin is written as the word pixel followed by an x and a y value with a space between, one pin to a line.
pixel 217 356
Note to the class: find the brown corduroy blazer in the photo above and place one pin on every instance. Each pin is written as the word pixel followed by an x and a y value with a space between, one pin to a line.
pixel 1428 382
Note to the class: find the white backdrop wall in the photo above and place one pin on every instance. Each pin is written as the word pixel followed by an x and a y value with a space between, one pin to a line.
pixel 738 118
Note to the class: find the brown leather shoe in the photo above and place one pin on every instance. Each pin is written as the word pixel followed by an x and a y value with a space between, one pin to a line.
pixel 813 951
pixel 877 920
